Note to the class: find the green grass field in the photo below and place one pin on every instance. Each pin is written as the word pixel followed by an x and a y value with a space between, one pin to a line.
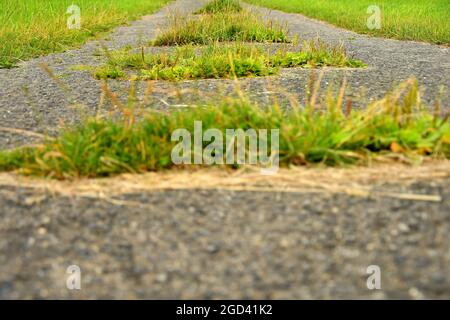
pixel 29 28
pixel 424 20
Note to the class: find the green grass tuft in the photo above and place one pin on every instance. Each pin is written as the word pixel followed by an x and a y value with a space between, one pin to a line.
pixel 109 72
pixel 396 126
pixel 223 26
pixel 221 61
pixel 217 6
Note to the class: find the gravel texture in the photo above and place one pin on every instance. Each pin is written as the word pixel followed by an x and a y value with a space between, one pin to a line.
pixel 223 244
pixel 219 243
pixel 31 99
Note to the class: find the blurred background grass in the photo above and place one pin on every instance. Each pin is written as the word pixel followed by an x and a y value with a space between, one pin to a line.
pixel 29 28
pixel 423 20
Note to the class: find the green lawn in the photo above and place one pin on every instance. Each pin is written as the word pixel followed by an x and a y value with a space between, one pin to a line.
pixel 29 28
pixel 424 20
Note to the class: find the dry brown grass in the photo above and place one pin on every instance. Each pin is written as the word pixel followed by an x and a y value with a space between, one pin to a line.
pixel 353 181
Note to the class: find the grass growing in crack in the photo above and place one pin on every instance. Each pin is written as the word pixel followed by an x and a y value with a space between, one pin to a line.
pixel 223 26
pixel 397 126
pixel 216 6
pixel 222 61
pixel 30 28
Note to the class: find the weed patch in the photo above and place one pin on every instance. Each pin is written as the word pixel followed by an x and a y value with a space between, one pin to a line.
pixel 222 61
pixel 217 6
pixel 223 26
pixel 395 127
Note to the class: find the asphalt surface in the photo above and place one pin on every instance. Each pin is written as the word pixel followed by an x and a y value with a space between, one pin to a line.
pixel 191 243
pixel 221 244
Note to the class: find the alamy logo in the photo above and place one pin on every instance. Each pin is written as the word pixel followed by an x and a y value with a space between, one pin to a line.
pixel 73 281
pixel 374 20
pixel 374 280
pixel 74 20
pixel 235 144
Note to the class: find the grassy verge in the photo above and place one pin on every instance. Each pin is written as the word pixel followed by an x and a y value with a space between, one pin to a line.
pixel 398 126
pixel 30 28
pixel 220 61
pixel 425 20
pixel 222 26
pixel 217 6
